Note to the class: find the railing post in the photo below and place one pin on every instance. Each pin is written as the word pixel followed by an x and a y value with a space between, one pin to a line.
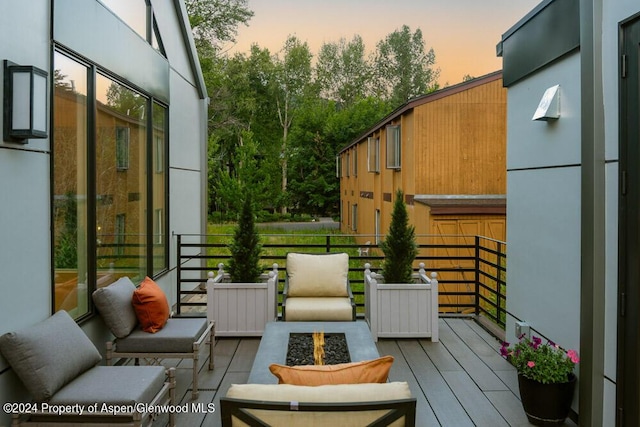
pixel 499 297
pixel 477 280
pixel 328 242
pixel 178 272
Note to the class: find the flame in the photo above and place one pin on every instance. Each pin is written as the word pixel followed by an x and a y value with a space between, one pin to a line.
pixel 318 348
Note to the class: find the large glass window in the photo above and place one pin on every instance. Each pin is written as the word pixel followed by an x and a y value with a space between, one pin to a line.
pixel 110 213
pixel 159 184
pixel 70 245
pixel 121 138
pixel 135 13
pixel 132 12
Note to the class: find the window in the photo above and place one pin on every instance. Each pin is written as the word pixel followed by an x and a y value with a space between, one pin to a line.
pixel 122 148
pixel 71 235
pixel 119 235
pixel 109 216
pixel 159 191
pixel 393 147
pixel 354 217
pixel 355 161
pixel 377 226
pixel 347 165
pixel 338 168
pixel 373 154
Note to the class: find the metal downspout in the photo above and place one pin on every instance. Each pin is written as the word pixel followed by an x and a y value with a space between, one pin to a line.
pixel 593 245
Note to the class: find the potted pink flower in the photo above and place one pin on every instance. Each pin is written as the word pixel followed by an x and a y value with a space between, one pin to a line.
pixel 545 377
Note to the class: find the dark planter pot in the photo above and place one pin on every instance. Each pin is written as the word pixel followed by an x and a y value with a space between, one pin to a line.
pixel 546 404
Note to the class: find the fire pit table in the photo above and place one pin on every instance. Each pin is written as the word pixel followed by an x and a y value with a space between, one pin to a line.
pixel 275 340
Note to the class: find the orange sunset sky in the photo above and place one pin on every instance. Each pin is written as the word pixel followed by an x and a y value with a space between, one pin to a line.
pixel 462 33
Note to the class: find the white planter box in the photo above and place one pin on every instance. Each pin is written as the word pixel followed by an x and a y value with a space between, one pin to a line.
pixel 401 310
pixel 241 309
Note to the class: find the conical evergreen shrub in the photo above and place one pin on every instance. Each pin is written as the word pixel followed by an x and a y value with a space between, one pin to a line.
pixel 244 265
pixel 399 247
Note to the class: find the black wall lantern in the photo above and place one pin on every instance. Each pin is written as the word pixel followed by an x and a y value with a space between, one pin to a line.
pixel 25 102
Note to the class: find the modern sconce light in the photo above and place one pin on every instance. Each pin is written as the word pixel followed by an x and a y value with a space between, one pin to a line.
pixel 25 102
pixel 549 107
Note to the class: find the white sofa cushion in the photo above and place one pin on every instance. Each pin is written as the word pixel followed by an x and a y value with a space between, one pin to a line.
pixel 317 394
pixel 317 275
pixel 318 309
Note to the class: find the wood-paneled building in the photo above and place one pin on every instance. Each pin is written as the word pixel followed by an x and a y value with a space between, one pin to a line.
pixel 446 151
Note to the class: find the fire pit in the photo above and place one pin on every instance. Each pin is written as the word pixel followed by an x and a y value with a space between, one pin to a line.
pixel 301 349
pixel 275 342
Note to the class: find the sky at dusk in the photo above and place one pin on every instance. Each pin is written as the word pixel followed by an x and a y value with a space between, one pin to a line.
pixel 462 33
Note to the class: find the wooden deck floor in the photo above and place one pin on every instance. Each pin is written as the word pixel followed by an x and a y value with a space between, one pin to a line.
pixel 460 381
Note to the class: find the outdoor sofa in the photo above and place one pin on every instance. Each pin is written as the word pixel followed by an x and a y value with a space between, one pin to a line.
pixel 336 405
pixel 59 367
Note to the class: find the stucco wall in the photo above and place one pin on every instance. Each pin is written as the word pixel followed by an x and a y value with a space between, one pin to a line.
pixel 25 197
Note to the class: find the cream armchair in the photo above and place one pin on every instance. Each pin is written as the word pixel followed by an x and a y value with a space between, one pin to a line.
pixel 317 288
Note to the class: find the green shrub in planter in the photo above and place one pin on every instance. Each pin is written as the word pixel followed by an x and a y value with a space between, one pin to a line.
pixel 244 265
pixel 399 247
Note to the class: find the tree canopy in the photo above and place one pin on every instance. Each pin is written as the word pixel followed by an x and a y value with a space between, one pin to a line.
pixel 277 120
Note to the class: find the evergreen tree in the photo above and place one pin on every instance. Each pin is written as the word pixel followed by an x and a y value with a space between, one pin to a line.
pixel 399 247
pixel 244 265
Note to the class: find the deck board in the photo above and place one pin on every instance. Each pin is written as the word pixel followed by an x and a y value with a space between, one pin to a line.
pixel 459 381
pixel 401 371
pixel 441 398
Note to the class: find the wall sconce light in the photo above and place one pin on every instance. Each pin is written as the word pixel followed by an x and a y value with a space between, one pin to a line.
pixel 25 102
pixel 549 107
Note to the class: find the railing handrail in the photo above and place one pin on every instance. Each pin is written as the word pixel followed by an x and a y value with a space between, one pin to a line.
pixel 484 268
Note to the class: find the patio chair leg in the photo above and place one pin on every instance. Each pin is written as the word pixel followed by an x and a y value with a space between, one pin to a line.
pixel 194 390
pixel 172 395
pixel 212 341
pixel 109 352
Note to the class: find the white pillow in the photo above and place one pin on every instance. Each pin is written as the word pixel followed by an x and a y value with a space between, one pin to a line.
pixel 317 275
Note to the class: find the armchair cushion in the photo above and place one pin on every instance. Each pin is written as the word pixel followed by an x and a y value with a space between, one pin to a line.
pixel 367 371
pixel 317 275
pixel 151 306
pixel 114 304
pixel 177 336
pixel 121 386
pixel 319 309
pixel 50 355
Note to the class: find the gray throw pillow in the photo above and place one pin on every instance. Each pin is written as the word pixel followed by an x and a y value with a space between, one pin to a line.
pixel 116 308
pixel 49 355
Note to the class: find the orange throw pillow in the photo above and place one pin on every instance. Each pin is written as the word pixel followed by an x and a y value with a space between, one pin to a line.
pixel 367 371
pixel 151 306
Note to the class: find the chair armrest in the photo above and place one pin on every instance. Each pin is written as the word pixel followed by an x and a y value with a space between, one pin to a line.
pixel 285 292
pixel 352 299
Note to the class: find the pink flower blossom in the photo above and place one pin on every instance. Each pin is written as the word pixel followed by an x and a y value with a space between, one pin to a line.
pixel 573 355
pixel 531 364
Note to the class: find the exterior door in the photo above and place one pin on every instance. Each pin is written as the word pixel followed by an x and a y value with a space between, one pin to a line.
pixel 628 375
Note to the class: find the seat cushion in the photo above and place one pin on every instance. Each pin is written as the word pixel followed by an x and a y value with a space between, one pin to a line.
pixel 113 385
pixel 151 306
pixel 115 307
pixel 177 336
pixel 318 309
pixel 324 393
pixel 317 275
pixel 366 371
pixel 49 355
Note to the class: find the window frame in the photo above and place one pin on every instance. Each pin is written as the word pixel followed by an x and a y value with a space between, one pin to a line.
pixel 394 146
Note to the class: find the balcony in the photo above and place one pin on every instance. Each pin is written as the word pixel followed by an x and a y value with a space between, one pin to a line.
pixel 460 380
